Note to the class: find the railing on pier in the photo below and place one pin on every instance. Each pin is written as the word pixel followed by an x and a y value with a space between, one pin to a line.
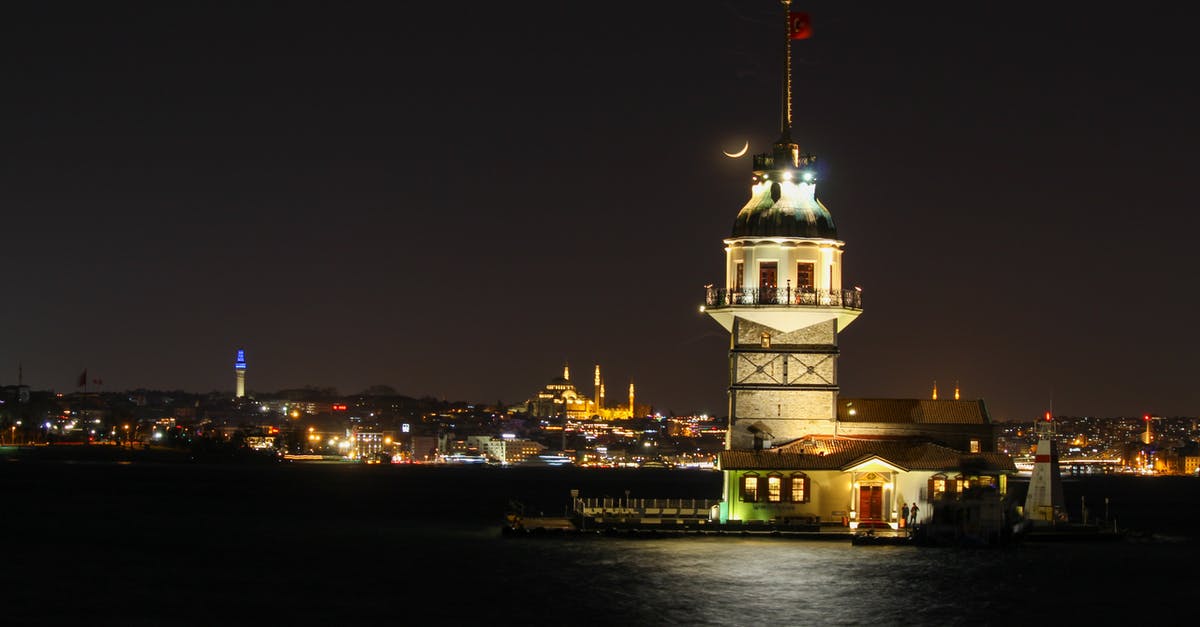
pixel 718 297
pixel 630 508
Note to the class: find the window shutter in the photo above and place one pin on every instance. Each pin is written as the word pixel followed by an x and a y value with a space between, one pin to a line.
pixel 930 488
pixel 807 488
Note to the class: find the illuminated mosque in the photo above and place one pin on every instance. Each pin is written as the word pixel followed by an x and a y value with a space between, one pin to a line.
pixel 560 399
pixel 795 450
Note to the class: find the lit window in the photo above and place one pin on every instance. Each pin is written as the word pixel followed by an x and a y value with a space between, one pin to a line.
pixel 766 340
pixel 774 489
pixel 937 487
pixel 799 488
pixel 750 489
pixel 974 446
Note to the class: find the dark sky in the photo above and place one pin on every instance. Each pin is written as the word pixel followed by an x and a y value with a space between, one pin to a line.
pixel 455 198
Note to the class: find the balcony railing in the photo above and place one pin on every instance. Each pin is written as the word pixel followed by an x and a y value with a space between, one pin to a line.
pixel 717 297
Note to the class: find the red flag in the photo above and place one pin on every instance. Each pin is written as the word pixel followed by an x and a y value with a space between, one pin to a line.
pixel 799 25
pixel 83 378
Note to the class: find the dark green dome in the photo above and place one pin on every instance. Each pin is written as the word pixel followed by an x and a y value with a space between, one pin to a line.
pixel 786 210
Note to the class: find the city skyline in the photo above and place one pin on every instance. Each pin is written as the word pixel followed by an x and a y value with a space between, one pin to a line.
pixel 455 201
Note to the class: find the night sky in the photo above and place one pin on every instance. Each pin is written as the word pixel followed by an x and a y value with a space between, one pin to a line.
pixel 454 199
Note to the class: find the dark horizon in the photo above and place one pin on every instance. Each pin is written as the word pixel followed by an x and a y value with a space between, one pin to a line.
pixel 455 200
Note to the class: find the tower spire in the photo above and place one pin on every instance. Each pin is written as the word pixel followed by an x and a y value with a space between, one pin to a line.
pixel 785 110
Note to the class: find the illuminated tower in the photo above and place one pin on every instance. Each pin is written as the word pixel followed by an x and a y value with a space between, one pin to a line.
pixel 596 394
pixel 782 301
pixel 632 411
pixel 1044 504
pixel 239 370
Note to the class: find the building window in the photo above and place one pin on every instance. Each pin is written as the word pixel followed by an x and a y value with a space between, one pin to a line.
pixel 767 282
pixel 974 446
pixel 774 489
pixel 937 486
pixel 766 339
pixel 804 274
pixel 799 488
pixel 739 274
pixel 750 488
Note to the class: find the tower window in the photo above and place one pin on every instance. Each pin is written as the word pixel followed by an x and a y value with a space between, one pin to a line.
pixel 804 274
pixel 766 339
pixel 768 280
pixel 974 446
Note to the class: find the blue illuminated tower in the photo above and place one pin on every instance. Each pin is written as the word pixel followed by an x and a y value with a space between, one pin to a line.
pixel 239 369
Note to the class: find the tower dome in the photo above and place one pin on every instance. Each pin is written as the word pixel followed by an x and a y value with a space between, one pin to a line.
pixel 780 206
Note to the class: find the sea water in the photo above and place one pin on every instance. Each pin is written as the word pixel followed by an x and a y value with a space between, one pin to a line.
pixel 167 544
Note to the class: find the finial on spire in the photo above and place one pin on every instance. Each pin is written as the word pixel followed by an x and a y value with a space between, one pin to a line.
pixel 935 389
pixel 956 390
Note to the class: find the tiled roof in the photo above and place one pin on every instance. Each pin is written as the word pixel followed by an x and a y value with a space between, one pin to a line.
pixel 912 411
pixel 837 453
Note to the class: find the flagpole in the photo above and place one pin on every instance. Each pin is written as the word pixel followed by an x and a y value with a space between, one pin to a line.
pixel 785 122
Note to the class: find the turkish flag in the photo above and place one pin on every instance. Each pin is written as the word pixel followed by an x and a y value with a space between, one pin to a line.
pixel 799 25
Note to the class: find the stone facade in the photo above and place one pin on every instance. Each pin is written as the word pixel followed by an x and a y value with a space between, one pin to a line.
pixel 783 385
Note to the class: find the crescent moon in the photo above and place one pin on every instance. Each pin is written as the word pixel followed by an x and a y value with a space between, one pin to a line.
pixel 735 155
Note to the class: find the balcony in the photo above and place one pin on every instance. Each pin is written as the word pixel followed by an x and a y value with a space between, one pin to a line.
pixel 721 297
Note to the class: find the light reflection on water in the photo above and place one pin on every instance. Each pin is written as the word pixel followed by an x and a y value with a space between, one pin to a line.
pixel 769 581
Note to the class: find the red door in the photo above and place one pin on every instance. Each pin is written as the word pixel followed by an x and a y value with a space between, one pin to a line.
pixel 870 503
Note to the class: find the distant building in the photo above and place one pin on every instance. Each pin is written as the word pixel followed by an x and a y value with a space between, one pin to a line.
pixel 507 450
pixel 560 399
pixel 239 372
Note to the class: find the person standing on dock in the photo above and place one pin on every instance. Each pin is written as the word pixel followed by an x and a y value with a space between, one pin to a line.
pixel 904 513
pixel 912 522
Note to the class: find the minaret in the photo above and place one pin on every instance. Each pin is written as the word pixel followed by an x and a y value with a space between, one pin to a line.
pixel 596 396
pixel 566 372
pixel 632 411
pixel 239 370
pixel 782 301
pixel 1044 503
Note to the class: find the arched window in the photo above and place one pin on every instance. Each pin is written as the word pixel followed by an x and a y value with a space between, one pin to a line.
pixel 774 488
pixel 798 488
pixel 750 488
